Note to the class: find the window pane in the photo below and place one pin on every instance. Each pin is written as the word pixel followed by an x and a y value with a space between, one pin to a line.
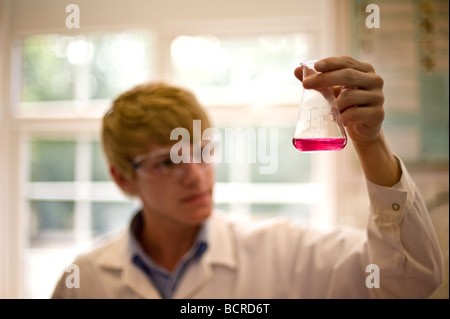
pixel 297 212
pixel 52 161
pixel 222 168
pixel 83 67
pixel 51 222
pixel 292 166
pixel 240 69
pixel 47 75
pixel 224 207
pixel 119 61
pixel 99 165
pixel 110 217
pixel 207 60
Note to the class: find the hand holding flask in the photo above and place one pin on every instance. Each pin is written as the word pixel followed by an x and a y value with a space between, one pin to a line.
pixel 319 125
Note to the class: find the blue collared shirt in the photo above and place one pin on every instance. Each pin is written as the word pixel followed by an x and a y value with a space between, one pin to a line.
pixel 164 280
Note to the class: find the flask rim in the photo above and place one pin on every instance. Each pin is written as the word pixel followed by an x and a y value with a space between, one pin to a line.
pixel 308 62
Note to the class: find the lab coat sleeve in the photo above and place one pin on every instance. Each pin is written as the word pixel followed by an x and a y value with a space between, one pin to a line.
pixel 397 256
pixel 402 241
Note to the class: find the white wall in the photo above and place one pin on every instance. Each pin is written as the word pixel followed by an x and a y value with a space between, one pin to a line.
pixel 29 15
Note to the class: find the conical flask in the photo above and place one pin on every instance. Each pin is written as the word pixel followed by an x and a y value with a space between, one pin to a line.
pixel 319 125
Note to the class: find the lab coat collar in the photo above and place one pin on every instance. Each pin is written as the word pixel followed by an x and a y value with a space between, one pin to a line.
pixel 116 257
pixel 220 251
pixel 220 243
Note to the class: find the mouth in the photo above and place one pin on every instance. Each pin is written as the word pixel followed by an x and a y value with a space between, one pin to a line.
pixel 197 197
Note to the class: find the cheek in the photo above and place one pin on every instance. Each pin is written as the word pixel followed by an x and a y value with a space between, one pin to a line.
pixel 211 178
pixel 155 195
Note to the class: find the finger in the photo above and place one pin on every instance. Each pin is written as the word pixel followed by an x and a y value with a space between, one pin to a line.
pixel 349 97
pixel 342 62
pixel 298 72
pixel 344 77
pixel 370 117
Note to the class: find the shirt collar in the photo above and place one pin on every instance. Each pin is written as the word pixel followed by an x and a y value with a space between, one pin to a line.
pixel 220 244
pixel 135 248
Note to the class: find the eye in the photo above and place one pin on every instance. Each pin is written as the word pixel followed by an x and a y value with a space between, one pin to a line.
pixel 136 165
pixel 164 163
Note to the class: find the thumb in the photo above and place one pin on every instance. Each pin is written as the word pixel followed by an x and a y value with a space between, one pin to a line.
pixel 298 72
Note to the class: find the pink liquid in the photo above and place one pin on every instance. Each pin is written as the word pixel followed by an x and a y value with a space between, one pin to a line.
pixel 319 144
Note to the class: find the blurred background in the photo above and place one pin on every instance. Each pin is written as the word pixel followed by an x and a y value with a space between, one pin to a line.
pixel 238 56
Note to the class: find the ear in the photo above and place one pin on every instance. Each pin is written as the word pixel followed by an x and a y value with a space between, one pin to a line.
pixel 128 186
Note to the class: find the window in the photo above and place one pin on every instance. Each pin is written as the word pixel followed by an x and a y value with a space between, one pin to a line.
pixel 73 75
pixel 70 192
pixel 254 69
pixel 252 72
pixel 64 81
pixel 71 201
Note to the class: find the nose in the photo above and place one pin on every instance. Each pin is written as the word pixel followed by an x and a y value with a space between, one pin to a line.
pixel 193 174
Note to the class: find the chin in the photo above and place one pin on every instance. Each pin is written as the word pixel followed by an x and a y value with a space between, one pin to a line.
pixel 200 214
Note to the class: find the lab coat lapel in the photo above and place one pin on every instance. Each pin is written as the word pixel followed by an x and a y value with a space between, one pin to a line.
pixel 196 276
pixel 137 280
pixel 118 257
pixel 220 251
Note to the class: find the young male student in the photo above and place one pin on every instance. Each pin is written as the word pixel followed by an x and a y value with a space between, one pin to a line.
pixel 177 246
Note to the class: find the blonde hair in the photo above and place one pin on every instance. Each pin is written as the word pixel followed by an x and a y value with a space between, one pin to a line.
pixel 145 116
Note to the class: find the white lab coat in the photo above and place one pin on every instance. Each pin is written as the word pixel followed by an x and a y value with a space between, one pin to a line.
pixel 277 259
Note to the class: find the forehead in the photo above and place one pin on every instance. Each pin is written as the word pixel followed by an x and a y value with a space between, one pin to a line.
pixel 159 150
